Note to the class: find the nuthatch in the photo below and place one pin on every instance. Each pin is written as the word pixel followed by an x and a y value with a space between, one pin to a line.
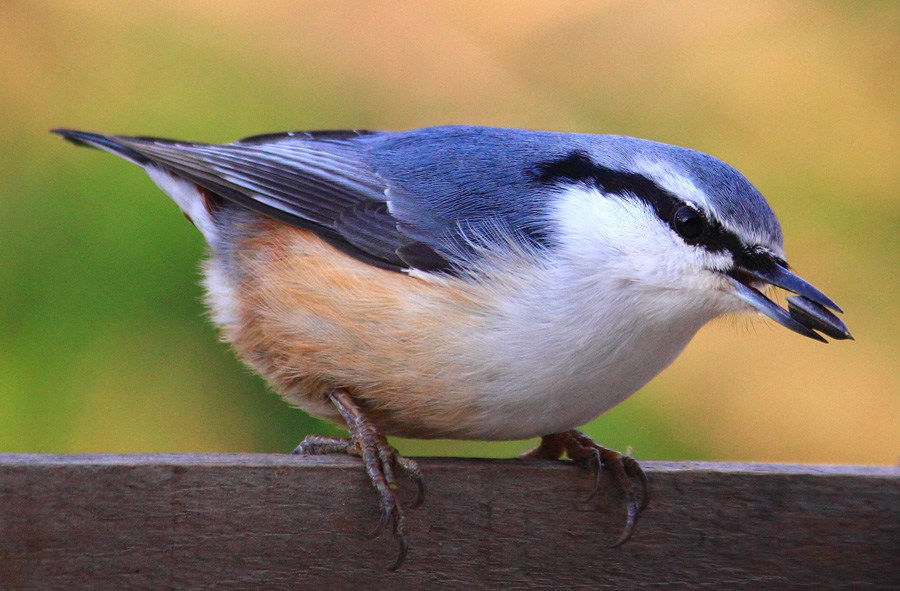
pixel 470 282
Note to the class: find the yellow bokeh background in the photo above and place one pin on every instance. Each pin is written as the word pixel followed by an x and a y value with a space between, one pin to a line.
pixel 104 342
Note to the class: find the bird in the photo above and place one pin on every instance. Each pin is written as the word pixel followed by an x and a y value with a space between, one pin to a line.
pixel 469 282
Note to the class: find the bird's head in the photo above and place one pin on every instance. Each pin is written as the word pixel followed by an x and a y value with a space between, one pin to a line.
pixel 683 227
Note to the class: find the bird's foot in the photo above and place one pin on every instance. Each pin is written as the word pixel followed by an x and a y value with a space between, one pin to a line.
pixel 381 461
pixel 588 454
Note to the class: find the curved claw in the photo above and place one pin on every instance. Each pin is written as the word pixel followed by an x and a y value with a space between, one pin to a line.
pixel 598 471
pixel 401 556
pixel 634 510
pixel 387 512
pixel 636 503
pixel 634 470
pixel 415 473
pixel 380 459
pixel 588 454
pixel 420 496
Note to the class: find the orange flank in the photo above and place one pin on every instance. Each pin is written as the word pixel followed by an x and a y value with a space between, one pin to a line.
pixel 311 319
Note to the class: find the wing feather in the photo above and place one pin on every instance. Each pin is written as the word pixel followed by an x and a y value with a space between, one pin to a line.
pixel 317 184
pixel 399 200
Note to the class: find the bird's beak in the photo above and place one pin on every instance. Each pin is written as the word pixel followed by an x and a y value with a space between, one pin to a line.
pixel 807 311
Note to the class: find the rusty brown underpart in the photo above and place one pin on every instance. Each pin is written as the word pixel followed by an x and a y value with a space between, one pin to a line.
pixel 309 319
pixel 381 460
pixel 585 452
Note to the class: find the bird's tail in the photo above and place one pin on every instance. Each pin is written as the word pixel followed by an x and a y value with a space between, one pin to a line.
pixel 194 202
pixel 100 141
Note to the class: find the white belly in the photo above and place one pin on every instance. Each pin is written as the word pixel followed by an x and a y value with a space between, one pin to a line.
pixel 565 380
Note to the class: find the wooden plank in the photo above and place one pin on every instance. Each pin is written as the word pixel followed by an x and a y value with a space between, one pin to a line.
pixel 281 522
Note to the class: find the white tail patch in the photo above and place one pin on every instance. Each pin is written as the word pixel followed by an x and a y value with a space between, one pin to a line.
pixel 221 298
pixel 186 195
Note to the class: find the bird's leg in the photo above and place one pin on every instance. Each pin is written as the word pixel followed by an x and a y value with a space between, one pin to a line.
pixel 380 458
pixel 588 454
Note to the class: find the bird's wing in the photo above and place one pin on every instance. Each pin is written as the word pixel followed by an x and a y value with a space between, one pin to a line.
pixel 396 200
pixel 312 180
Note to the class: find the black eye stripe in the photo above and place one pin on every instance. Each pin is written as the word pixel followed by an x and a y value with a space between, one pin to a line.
pixel 578 167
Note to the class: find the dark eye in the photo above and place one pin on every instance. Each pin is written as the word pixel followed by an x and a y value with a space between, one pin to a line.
pixel 689 223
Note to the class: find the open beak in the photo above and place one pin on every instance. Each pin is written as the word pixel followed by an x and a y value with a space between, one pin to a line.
pixel 807 311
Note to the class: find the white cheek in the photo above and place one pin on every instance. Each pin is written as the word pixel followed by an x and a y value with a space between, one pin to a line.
pixel 616 245
pixel 621 239
pixel 590 219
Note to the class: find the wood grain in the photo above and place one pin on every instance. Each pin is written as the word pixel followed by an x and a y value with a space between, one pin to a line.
pixel 281 522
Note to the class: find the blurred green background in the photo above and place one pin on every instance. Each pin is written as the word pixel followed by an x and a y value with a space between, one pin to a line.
pixel 104 342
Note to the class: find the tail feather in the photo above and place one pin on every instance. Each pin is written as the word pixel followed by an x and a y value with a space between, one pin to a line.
pixel 186 194
pixel 103 142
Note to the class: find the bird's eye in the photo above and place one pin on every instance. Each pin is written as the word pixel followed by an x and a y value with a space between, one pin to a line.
pixel 689 223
